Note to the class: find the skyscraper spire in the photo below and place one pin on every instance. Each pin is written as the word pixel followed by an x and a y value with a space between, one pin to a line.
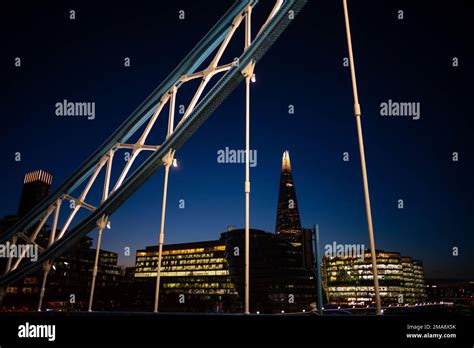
pixel 288 217
pixel 285 163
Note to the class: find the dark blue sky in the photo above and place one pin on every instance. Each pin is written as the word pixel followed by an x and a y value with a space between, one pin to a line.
pixel 407 60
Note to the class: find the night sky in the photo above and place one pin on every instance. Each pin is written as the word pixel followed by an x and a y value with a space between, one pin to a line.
pixel 409 60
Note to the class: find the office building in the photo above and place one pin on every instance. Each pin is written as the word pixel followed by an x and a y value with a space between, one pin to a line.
pixel 71 275
pixel 36 187
pixel 194 276
pixel 209 275
pixel 349 280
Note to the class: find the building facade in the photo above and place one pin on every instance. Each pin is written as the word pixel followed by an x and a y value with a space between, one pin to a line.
pixel 194 277
pixel 69 281
pixel 279 278
pixel 209 276
pixel 349 280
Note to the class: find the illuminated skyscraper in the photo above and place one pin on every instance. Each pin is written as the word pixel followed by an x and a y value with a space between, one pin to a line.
pixel 35 188
pixel 288 222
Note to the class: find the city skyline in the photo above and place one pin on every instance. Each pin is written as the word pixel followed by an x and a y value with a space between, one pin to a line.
pixel 285 169
pixel 437 198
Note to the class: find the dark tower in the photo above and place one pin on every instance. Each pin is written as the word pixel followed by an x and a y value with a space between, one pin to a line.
pixel 35 188
pixel 288 217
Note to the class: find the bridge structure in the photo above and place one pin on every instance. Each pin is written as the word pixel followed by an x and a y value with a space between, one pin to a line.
pixel 202 64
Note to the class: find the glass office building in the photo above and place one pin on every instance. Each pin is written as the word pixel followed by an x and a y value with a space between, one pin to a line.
pixel 194 277
pixel 209 276
pixel 349 280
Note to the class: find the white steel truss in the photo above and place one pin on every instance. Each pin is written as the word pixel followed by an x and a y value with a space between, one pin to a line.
pixel 104 164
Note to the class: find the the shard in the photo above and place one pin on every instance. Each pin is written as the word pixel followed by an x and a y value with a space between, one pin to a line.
pixel 288 222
